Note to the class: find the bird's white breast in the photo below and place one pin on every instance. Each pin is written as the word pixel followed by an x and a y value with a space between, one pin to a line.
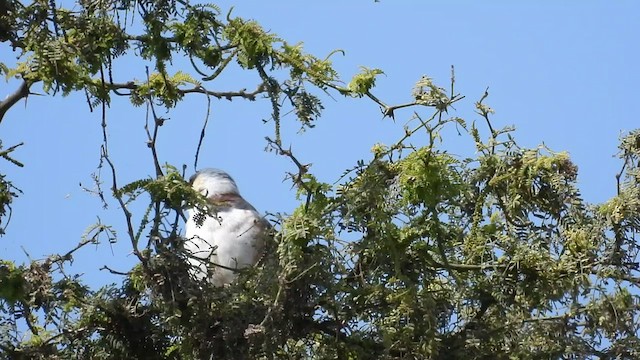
pixel 233 237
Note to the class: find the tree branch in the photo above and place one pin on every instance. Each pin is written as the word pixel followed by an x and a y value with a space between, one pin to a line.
pixel 104 155
pixel 470 267
pixel 115 272
pixel 303 169
pixel 151 139
pixel 229 95
pixel 12 99
pixel 202 133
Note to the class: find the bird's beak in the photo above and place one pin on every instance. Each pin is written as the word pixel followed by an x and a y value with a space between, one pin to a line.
pixel 192 179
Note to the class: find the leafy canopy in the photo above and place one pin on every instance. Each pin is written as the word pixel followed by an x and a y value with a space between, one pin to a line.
pixel 413 253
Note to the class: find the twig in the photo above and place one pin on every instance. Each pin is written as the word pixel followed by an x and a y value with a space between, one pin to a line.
pixel 275 303
pixel 302 168
pixel 619 175
pixel 68 255
pixel 173 39
pixel 272 88
pixel 302 273
pixel 470 267
pixel 114 182
pixel 115 272
pixel 5 154
pixel 453 81
pixel 202 133
pixel 389 110
pixel 221 66
pixel 151 139
pixel 484 112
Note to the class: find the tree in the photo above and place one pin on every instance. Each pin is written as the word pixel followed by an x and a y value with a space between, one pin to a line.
pixel 415 253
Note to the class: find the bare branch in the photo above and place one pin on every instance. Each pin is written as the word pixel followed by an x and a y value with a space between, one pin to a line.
pixel 484 112
pixel 12 99
pixel 115 272
pixel 202 133
pixel 302 168
pixel 151 139
pixel 114 185
pixel 68 255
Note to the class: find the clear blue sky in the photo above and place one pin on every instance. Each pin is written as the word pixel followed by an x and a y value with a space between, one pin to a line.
pixel 564 74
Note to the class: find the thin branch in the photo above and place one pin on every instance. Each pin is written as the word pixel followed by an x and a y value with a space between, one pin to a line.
pixel 221 66
pixel 202 133
pixel 389 110
pixel 151 139
pixel 273 88
pixel 5 154
pixel 195 67
pixel 229 95
pixel 301 274
pixel 115 272
pixel 453 81
pixel 619 175
pixel 275 303
pixel 123 206
pixel 172 39
pixel 470 267
pixel 68 255
pixel 114 183
pixel 302 168
pixel 484 112
pixel 409 133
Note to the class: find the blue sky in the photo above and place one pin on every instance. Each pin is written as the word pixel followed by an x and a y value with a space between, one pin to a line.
pixel 563 73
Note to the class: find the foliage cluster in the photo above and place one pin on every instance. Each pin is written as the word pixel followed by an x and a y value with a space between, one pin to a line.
pixel 414 253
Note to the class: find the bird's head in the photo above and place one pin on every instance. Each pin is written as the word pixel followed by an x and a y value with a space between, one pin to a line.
pixel 214 184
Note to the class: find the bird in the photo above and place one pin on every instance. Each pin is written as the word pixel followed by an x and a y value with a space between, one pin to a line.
pixel 232 235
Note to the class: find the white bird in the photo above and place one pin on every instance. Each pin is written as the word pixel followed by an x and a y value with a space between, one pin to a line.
pixel 231 237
